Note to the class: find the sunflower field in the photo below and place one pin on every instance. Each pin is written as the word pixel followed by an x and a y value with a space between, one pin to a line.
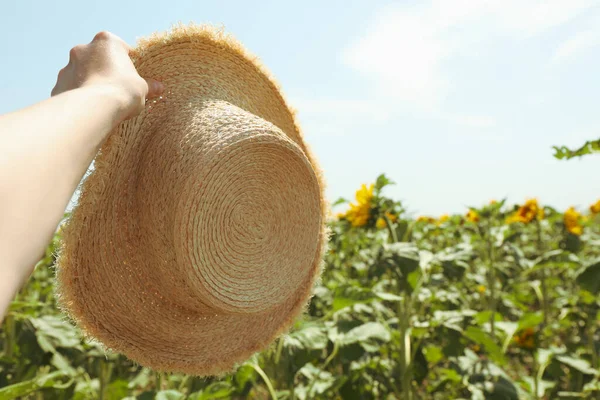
pixel 500 302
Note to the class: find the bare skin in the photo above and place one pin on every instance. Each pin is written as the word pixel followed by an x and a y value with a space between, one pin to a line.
pixel 46 148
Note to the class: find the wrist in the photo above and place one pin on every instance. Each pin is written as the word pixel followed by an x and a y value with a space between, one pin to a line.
pixel 113 99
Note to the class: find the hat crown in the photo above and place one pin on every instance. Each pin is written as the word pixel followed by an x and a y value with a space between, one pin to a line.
pixel 234 213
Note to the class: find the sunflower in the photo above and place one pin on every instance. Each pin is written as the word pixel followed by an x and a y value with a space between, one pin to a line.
pixel 572 222
pixel 526 338
pixel 381 224
pixel 360 212
pixel 426 219
pixel 443 219
pixel 595 208
pixel 527 213
pixel 472 216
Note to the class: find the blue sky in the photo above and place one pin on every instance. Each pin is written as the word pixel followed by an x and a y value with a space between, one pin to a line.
pixel 457 101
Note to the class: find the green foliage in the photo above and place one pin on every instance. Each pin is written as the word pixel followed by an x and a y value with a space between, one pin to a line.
pixel 589 147
pixel 430 309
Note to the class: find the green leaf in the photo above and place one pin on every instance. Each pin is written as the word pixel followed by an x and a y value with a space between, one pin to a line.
pixel 483 317
pixel 388 296
pixel 413 278
pixel 593 385
pixel 579 364
pixel 366 333
pixel 311 338
pixel 169 395
pixel 589 277
pixel 543 386
pixel 552 255
pixel 480 337
pixel 320 382
pixel 544 357
pixel 382 181
pixel 452 319
pixel 147 395
pixel 504 389
pixel 433 354
pixel 216 390
pixel 340 201
pixel 116 390
pixel 402 256
pixel 141 380
pixel 509 329
pixel 61 363
pixel 53 332
pixel 455 260
pixel 346 296
pixel 54 379
pixel 451 375
pixel 85 389
pixel 589 147
pixel 243 375
pixel 530 320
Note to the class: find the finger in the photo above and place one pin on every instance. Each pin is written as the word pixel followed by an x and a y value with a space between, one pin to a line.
pixel 155 88
pixel 77 52
pixel 59 86
pixel 105 35
pixel 57 89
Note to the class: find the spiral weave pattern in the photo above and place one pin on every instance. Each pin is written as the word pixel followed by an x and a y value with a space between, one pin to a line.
pixel 199 235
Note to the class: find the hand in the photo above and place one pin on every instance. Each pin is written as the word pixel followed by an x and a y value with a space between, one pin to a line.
pixel 105 63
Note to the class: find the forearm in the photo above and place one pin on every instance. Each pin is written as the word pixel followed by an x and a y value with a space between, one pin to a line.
pixel 46 149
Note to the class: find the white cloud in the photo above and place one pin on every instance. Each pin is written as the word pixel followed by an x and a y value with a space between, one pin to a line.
pixel 472 121
pixel 525 18
pixel 331 107
pixel 404 49
pixel 581 41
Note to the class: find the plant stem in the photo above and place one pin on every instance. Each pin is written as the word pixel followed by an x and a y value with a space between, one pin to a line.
pixel 184 383
pixel 545 308
pixel 591 322
pixel 265 378
pixel 334 353
pixel 279 350
pixel 9 331
pixel 104 377
pixel 491 280
pixel 159 382
pixel 391 230
pixel 537 377
pixel 544 298
pixel 405 350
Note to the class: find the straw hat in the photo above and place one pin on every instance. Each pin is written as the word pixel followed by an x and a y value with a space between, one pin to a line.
pixel 199 235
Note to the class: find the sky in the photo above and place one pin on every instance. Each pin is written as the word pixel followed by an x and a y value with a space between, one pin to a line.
pixel 457 101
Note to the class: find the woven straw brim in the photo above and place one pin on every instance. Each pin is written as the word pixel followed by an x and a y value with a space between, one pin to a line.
pixel 198 237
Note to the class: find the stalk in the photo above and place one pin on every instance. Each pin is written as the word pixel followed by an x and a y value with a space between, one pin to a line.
pixel 405 348
pixel 278 351
pixel 391 230
pixel 159 381
pixel 545 305
pixel 265 378
pixel 9 331
pixel 491 280
pixel 105 372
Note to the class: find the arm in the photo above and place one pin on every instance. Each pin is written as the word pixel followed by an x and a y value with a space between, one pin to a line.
pixel 45 149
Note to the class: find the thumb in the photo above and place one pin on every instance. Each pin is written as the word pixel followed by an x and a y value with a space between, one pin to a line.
pixel 155 88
